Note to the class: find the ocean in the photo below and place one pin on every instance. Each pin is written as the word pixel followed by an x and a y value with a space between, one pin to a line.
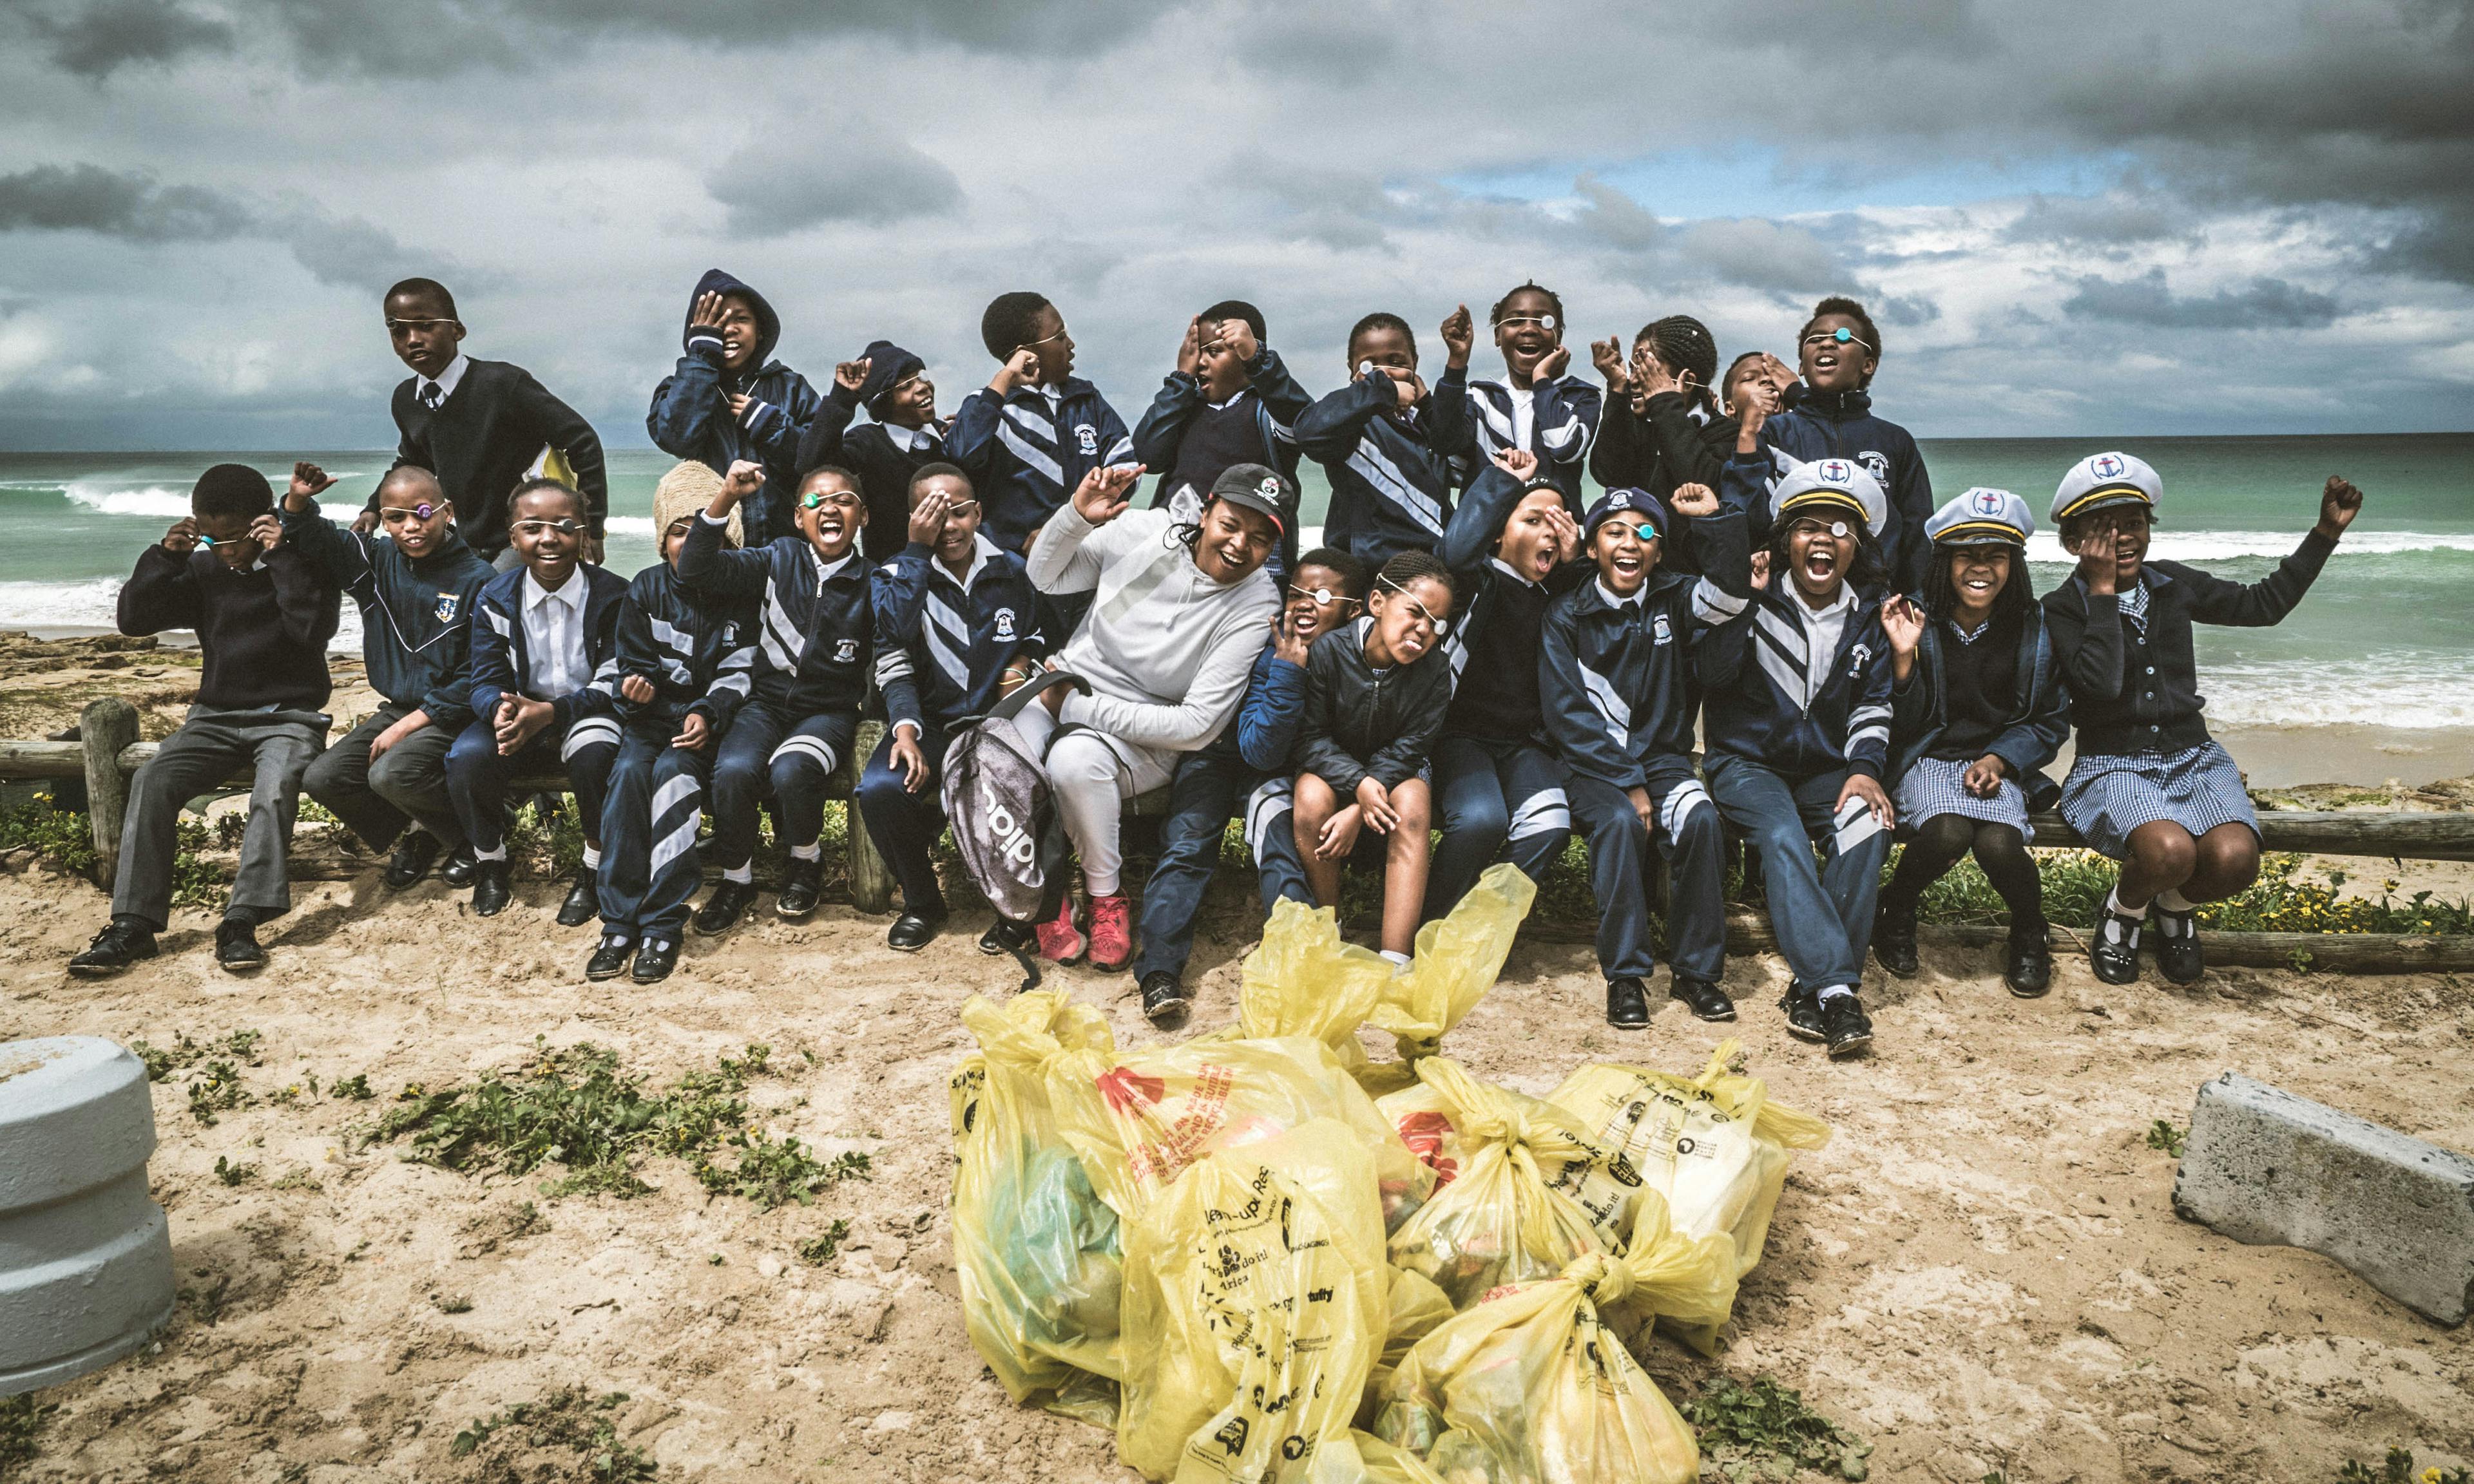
pixel 2384 640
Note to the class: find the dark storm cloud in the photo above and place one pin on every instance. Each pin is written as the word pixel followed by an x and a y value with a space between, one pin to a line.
pixel 1780 258
pixel 2113 220
pixel 116 203
pixel 96 40
pixel 786 180
pixel 2264 303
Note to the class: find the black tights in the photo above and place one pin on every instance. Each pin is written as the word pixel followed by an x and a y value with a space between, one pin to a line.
pixel 2001 850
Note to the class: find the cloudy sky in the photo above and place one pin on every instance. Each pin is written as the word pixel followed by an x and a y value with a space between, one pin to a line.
pixel 2106 217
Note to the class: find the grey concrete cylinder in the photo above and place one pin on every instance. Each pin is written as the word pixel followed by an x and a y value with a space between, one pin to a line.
pixel 86 1256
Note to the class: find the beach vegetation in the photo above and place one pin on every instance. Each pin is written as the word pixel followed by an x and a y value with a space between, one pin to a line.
pixel 2398 1469
pixel 570 1422
pixel 2166 1138
pixel 22 1419
pixel 1764 1431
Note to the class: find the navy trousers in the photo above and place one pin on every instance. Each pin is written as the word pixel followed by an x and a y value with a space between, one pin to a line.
pixel 1206 794
pixel 1823 915
pixel 476 775
pixel 650 868
pixel 1691 842
pixel 906 826
pixel 1493 800
pixel 789 760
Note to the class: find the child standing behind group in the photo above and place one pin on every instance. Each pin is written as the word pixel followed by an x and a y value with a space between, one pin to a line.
pixel 1230 401
pixel 1536 407
pixel 728 400
pixel 1391 482
pixel 887 454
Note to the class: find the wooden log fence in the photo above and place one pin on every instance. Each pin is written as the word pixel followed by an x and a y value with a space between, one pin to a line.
pixel 110 753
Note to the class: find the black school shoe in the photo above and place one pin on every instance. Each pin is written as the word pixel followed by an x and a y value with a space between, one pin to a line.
pixel 720 914
pixel 1628 1004
pixel 1164 999
pixel 459 872
pixel 801 882
pixel 655 960
pixel 1802 1007
pixel 414 852
pixel 583 899
pixel 123 941
pixel 2114 955
pixel 2027 962
pixel 1893 939
pixel 610 960
pixel 236 948
pixel 1705 1000
pixel 913 931
pixel 2177 945
pixel 1006 936
pixel 489 890
pixel 1844 1025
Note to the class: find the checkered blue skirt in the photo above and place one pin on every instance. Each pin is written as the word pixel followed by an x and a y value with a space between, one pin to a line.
pixel 2108 796
pixel 1933 786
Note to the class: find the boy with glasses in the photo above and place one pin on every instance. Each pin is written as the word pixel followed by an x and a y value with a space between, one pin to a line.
pixel 545 692
pixel 415 584
pixel 887 454
pixel 813 633
pixel 1828 414
pixel 1537 406
pixel 481 426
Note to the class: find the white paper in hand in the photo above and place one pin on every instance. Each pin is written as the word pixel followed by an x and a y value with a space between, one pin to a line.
pixel 1855 825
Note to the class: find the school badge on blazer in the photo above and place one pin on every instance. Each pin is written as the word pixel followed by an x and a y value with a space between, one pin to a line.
pixel 1005 623
pixel 846 652
pixel 446 602
pixel 1877 465
pixel 1086 438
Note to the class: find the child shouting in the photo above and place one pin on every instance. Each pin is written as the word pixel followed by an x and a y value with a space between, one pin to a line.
pixel 728 400
pixel 2149 786
pixel 1377 692
pixel 263 612
pixel 1828 414
pixel 1537 406
pixel 545 692
pixel 1616 675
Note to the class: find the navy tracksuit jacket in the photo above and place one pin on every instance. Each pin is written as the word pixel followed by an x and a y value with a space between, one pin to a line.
pixel 1391 485
pixel 1821 425
pixel 1477 424
pixel 1024 457
pixel 691 415
pixel 583 731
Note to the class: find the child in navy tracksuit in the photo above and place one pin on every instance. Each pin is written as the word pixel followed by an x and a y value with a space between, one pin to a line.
pixel 1377 692
pixel 813 635
pixel 1828 414
pixel 907 436
pixel 1534 407
pixel 1795 671
pixel 415 584
pixel 1391 482
pixel 1498 785
pixel 1244 767
pixel 727 401
pixel 545 690
pixel 1230 401
pixel 1616 677
pixel 683 661
pixel 957 627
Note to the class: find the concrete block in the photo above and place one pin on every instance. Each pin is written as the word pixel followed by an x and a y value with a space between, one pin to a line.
pixel 2263 1166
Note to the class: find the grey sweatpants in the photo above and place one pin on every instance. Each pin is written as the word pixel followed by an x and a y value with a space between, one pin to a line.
pixel 407 784
pixel 211 746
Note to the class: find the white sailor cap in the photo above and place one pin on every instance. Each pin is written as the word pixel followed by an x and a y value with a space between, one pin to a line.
pixel 1981 517
pixel 1840 483
pixel 2106 479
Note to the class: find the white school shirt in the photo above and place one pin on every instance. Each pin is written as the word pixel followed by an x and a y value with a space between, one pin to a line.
pixel 1524 413
pixel 554 636
pixel 1823 628
pixel 445 382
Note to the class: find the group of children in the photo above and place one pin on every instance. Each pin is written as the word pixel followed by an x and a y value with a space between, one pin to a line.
pixel 1475 665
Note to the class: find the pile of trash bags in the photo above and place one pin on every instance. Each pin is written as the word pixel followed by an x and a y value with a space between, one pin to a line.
pixel 1260 1255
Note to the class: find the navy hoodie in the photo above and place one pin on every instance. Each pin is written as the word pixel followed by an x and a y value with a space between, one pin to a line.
pixel 1841 425
pixel 691 416
pixel 416 617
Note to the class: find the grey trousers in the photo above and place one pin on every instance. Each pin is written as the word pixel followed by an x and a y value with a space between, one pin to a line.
pixel 211 746
pixel 407 785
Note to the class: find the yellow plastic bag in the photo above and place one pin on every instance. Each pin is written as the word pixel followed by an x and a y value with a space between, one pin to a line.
pixel 1036 1250
pixel 1498 1221
pixel 1457 960
pixel 1255 1310
pixel 1140 1119
pixel 1530 1387
pixel 1717 1146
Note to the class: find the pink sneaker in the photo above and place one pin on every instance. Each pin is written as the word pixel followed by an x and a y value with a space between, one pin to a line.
pixel 1112 932
pixel 1058 940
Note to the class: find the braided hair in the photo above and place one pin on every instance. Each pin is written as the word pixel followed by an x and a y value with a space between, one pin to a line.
pixel 1683 345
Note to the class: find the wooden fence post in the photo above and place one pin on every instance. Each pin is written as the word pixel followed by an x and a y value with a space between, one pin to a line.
pixel 103 728
pixel 871 880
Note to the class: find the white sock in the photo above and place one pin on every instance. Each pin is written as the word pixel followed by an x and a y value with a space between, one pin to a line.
pixel 593 857
pixel 1401 959
pixel 1830 991
pixel 813 850
pixel 2175 902
pixel 501 853
pixel 742 875
pixel 2113 903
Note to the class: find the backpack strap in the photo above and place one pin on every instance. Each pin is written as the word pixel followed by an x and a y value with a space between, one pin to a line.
pixel 1029 690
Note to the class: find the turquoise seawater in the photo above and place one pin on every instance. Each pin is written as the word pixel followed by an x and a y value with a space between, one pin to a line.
pixel 2385 638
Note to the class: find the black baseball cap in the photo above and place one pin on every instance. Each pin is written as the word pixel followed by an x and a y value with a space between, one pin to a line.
pixel 1256 486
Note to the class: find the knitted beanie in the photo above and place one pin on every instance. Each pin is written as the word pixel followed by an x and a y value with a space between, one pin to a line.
pixel 683 492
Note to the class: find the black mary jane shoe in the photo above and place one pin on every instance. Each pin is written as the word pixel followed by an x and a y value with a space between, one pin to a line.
pixel 414 854
pixel 583 899
pixel 1164 999
pixel 2177 945
pixel 491 892
pixel 2114 955
pixel 610 960
pixel 1705 1000
pixel 655 960
pixel 2027 963
pixel 1627 1004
